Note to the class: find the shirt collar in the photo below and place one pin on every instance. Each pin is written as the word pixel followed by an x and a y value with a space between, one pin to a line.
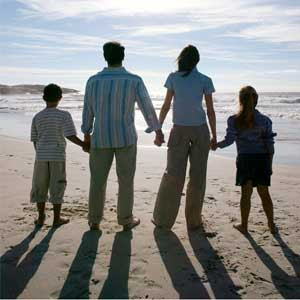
pixel 114 70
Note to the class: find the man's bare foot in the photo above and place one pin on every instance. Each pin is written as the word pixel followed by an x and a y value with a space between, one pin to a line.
pixel 194 227
pixel 241 228
pixel 273 228
pixel 160 226
pixel 40 221
pixel 135 222
pixel 60 221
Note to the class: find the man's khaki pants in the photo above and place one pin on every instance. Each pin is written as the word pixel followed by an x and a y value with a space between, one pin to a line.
pixel 185 142
pixel 100 164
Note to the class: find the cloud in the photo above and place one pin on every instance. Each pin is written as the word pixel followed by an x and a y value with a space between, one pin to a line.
pixel 54 9
pixel 267 21
pixel 154 30
pixel 275 33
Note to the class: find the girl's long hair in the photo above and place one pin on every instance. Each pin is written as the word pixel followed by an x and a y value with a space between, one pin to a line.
pixel 188 59
pixel 248 97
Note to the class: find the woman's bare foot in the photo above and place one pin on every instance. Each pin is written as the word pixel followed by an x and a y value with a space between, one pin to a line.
pixel 241 228
pixel 194 227
pixel 60 221
pixel 135 222
pixel 273 228
pixel 40 221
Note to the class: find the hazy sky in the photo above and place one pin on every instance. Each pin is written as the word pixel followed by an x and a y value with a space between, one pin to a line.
pixel 240 42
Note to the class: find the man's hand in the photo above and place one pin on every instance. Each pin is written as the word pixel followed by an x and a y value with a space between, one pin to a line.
pixel 86 143
pixel 213 144
pixel 159 138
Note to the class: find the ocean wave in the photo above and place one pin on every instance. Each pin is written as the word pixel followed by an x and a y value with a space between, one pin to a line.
pixel 294 101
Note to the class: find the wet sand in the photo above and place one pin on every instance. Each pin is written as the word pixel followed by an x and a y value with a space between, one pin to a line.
pixel 73 262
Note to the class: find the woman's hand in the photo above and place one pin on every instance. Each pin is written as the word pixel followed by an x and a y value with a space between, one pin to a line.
pixel 159 138
pixel 213 144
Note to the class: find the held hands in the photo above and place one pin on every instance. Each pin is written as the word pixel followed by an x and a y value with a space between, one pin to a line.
pixel 86 146
pixel 86 143
pixel 213 144
pixel 159 138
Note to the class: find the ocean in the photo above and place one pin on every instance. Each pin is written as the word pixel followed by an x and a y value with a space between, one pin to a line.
pixel 16 112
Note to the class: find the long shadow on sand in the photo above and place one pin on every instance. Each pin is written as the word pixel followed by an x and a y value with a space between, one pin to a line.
pixel 221 283
pixel 184 277
pixel 288 286
pixel 116 283
pixel 77 282
pixel 14 276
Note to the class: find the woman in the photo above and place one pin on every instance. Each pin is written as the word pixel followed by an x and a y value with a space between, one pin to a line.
pixel 189 139
pixel 252 132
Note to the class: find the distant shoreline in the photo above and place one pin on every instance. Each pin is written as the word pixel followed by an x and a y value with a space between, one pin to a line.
pixel 28 89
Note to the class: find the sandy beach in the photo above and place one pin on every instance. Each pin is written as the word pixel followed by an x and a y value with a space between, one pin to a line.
pixel 73 262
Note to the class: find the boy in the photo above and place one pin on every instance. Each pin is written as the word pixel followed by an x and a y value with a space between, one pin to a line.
pixel 48 129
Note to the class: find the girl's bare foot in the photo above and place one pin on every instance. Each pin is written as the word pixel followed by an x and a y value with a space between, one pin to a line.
pixel 40 221
pixel 273 228
pixel 94 226
pixel 60 221
pixel 241 228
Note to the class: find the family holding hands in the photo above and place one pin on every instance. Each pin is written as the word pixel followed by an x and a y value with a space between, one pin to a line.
pixel 109 131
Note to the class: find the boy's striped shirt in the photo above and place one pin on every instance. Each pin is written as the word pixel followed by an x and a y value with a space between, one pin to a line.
pixel 109 105
pixel 48 129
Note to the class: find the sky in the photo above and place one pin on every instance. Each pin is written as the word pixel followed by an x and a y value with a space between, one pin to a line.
pixel 240 42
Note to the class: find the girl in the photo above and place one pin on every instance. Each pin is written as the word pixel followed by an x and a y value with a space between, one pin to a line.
pixel 189 139
pixel 252 132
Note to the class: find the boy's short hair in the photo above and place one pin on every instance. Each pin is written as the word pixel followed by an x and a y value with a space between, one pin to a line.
pixel 52 93
pixel 113 53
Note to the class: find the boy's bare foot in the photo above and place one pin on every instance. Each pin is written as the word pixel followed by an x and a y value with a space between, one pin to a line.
pixel 60 221
pixel 135 222
pixel 40 221
pixel 273 228
pixel 94 226
pixel 241 228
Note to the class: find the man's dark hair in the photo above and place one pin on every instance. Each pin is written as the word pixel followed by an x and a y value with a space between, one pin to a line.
pixel 52 93
pixel 113 53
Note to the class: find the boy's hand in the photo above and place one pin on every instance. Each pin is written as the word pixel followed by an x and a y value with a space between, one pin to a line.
pixel 159 138
pixel 86 146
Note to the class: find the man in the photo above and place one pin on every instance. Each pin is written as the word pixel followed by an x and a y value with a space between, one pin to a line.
pixel 108 114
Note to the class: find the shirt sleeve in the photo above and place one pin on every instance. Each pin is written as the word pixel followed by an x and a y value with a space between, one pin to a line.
pixel 209 87
pixel 169 83
pixel 69 127
pixel 34 133
pixel 269 137
pixel 231 134
pixel 87 113
pixel 145 104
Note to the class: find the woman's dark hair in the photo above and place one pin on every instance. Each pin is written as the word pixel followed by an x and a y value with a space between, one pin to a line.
pixel 113 53
pixel 188 59
pixel 248 97
pixel 52 93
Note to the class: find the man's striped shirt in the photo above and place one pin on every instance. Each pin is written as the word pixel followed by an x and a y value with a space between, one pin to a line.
pixel 109 107
pixel 48 129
